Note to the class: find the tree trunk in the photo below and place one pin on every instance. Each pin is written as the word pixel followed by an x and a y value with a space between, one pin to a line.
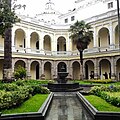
pixel 81 61
pixel 7 66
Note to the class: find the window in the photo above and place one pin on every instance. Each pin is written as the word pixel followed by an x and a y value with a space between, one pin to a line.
pixel 66 20
pixel 110 5
pixel 72 18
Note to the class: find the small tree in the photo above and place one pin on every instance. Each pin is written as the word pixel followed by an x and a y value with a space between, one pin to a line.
pixel 20 73
pixel 81 34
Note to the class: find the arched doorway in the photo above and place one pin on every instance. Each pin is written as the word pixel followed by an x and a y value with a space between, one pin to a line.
pixel 76 70
pixel 105 66
pixel 104 38
pixel 89 68
pixel 47 43
pixel 34 41
pixel 19 62
pixel 118 69
pixel 61 44
pixel 47 70
pixel 34 70
pixel 60 65
pixel 19 38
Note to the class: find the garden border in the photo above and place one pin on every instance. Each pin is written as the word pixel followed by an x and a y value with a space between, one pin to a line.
pixel 95 114
pixel 40 115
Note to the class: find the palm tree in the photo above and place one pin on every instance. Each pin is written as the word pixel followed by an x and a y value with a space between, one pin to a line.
pixel 81 34
pixel 7 19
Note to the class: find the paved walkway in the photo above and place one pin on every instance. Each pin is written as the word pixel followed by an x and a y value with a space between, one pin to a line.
pixel 66 106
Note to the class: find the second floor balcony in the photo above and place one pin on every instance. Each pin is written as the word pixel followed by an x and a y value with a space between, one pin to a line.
pixel 60 54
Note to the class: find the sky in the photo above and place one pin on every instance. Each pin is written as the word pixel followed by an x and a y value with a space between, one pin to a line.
pixel 37 6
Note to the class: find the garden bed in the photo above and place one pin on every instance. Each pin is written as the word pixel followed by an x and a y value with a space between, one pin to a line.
pixel 97 115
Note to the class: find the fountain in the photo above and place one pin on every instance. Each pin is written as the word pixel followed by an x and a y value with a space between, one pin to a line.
pixel 62 75
pixel 62 85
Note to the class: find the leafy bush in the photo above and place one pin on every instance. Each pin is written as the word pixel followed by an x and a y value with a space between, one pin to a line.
pixel 44 90
pixel 20 83
pixel 13 94
pixel 20 73
pixel 8 87
pixel 104 81
pixel 102 92
pixel 10 99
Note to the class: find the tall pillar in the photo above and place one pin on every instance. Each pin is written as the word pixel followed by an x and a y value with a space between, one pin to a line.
pixel 13 39
pixel 94 38
pixel 55 44
pixel 27 42
pixel 67 43
pixel 96 69
pixel 42 70
pixel 28 69
pixel 41 41
pixel 54 70
pixel 69 70
pixel 112 43
pixel 112 69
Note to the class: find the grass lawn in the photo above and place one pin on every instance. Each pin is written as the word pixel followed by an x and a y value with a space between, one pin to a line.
pixel 31 105
pixel 100 104
pixel 96 82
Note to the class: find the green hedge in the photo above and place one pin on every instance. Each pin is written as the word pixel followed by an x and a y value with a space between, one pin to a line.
pixel 13 94
pixel 13 98
pixel 102 92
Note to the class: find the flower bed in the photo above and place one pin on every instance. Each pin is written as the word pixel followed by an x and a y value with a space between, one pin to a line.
pixel 106 93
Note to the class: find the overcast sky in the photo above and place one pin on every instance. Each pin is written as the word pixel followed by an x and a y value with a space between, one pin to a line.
pixel 36 6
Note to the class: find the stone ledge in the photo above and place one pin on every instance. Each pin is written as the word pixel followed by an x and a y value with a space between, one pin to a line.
pixel 40 115
pixel 95 114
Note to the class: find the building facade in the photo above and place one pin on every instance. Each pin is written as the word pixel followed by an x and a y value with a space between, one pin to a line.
pixel 43 45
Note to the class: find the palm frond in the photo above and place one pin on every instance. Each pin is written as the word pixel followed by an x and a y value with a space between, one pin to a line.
pixel 81 33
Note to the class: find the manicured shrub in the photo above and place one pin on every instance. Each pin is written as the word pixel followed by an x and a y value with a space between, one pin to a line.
pixel 44 90
pixel 20 73
pixel 9 87
pixel 13 94
pixel 102 92
pixel 104 81
pixel 20 83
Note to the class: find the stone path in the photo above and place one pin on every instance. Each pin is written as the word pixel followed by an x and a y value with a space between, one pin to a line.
pixel 66 106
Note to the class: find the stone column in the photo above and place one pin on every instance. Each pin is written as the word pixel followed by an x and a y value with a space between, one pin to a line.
pixel 27 42
pixel 28 69
pixel 112 69
pixel 96 68
pixel 42 70
pixel 69 70
pixel 54 70
pixel 112 43
pixel 95 38
pixel 68 43
pixel 53 46
pixel 13 39
pixel 41 43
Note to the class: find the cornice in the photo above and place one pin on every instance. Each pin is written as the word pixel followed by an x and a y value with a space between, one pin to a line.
pixel 90 3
